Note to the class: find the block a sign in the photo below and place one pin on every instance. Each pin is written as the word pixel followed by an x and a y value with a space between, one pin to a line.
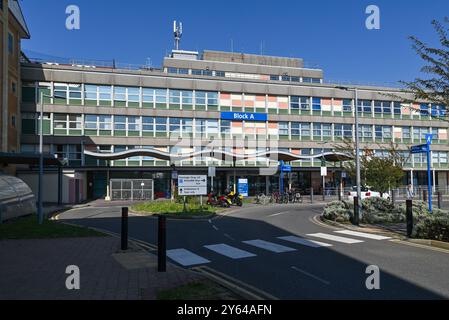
pixel 192 185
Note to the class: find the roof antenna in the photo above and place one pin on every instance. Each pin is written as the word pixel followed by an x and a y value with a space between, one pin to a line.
pixel 177 30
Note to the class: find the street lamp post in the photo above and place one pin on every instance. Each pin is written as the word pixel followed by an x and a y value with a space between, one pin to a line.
pixel 357 147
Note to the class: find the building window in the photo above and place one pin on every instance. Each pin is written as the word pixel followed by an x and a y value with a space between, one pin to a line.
pixel 347 105
pixel 161 126
pixel 364 106
pixel 13 87
pixel 397 108
pixel 225 127
pixel 283 129
pixel 10 43
pixel 316 104
pixel 148 126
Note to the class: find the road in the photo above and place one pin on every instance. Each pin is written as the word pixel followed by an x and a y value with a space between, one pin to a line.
pixel 280 249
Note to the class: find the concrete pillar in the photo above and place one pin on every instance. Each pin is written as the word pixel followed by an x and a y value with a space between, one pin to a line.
pixel 108 191
pixel 267 185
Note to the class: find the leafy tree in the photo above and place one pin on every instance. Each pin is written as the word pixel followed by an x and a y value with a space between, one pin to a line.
pixel 433 88
pixel 383 174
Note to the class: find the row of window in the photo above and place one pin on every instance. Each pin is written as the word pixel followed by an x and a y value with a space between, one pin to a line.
pixel 118 125
pixel 75 157
pixel 240 75
pixel 137 97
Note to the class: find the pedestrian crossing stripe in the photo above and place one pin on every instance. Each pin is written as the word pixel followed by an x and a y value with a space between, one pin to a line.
pixel 363 235
pixel 334 238
pixel 185 257
pixel 229 251
pixel 270 246
pixel 305 242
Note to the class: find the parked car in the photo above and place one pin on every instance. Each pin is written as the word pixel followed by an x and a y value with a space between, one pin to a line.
pixel 367 192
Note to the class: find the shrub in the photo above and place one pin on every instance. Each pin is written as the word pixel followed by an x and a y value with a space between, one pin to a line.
pixel 379 210
pixel 338 211
pixel 433 226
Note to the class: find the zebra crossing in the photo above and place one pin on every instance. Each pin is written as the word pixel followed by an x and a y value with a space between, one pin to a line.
pixel 284 244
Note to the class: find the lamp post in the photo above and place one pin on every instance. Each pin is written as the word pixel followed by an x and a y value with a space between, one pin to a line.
pixel 40 213
pixel 357 148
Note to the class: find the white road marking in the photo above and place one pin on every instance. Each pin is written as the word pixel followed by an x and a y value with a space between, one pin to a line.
pixel 185 257
pixel 230 252
pixel 215 227
pixel 278 214
pixel 363 235
pixel 311 275
pixel 228 236
pixel 334 238
pixel 273 247
pixel 305 242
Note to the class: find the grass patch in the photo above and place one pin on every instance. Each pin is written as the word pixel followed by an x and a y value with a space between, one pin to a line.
pixel 200 290
pixel 173 208
pixel 28 228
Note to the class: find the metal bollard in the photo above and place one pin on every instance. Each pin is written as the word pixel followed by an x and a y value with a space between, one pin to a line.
pixel 424 195
pixel 355 218
pixel 162 244
pixel 311 195
pixel 339 194
pixel 409 217
pixel 440 199
pixel 393 196
pixel 124 231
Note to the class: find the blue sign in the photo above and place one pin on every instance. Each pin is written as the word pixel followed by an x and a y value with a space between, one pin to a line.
pixel 286 168
pixel 242 116
pixel 419 149
pixel 243 187
pixel 429 138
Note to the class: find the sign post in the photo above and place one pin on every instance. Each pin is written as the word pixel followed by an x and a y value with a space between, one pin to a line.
pixel 211 174
pixel 243 187
pixel 283 168
pixel 425 148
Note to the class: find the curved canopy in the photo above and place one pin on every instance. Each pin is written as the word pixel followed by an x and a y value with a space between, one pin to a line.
pixel 277 155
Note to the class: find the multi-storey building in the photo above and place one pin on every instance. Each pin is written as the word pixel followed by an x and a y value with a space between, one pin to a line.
pixel 101 120
pixel 13 28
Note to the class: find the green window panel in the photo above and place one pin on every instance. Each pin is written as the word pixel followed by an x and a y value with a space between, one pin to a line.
pixel 60 132
pixel 187 107
pixel 296 164
pixel 387 140
pixel 133 104
pixel 406 140
pixel 29 94
pixel 148 105
pixel 316 113
pixel 120 133
pixel 327 138
pixel 147 134
pixel 119 163
pixel 105 132
pixel 442 141
pixel 315 138
pixel 90 103
pixel 160 163
pixel 198 108
pixel 75 132
pixel 133 133
pixel 105 103
pixel 260 110
pixel 326 113
pixel 46 93
pixel 90 132
pixel 305 139
pixel 147 163
pixel 425 118
pixel 283 137
pixel 406 116
pixel 283 111
pixel 225 108
pixel 28 126
pixel 161 106
pixel 60 101
pixel 46 127
pixel 377 115
pixel 237 109
pixel 212 107
pixel 161 134
pixel 133 163
pixel 272 111
pixel 306 164
pixel 75 102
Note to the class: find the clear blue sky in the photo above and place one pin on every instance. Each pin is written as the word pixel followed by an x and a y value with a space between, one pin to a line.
pixel 329 34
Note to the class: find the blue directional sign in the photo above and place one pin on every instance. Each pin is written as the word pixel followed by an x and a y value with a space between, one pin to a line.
pixel 242 116
pixel 429 138
pixel 243 187
pixel 419 149
pixel 286 168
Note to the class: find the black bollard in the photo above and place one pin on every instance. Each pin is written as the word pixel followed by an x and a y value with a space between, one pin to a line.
pixel 355 218
pixel 124 233
pixel 311 195
pixel 409 217
pixel 339 193
pixel 440 199
pixel 162 244
pixel 393 196
pixel 424 195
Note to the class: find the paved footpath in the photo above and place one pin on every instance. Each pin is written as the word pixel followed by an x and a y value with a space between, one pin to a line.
pixel 35 269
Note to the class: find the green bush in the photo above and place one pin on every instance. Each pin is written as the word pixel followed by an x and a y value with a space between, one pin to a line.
pixel 339 211
pixel 433 226
pixel 379 210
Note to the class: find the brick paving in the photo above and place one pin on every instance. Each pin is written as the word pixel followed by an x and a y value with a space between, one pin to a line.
pixel 35 269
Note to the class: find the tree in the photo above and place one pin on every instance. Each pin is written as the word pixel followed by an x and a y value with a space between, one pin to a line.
pixel 383 174
pixel 434 88
pixel 379 172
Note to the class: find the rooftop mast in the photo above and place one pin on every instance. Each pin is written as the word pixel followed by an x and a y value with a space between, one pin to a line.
pixel 177 30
